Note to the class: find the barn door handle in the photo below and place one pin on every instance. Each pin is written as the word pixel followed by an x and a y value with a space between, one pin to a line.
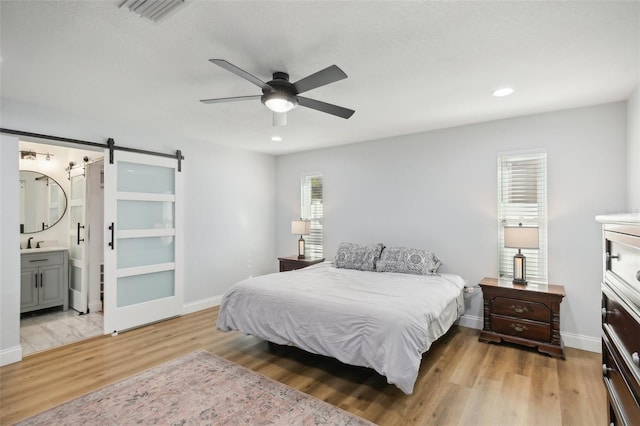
pixel 112 244
pixel 79 239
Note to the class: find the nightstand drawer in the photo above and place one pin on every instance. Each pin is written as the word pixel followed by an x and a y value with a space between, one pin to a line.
pixel 521 309
pixel 521 328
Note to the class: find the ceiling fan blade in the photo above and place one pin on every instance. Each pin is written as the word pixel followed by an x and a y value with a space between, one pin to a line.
pixel 325 107
pixel 279 119
pixel 241 73
pixel 235 98
pixel 328 75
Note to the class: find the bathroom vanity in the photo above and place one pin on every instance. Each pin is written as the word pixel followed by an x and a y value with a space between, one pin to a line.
pixel 44 278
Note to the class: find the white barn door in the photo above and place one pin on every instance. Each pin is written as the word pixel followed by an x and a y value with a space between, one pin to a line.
pixel 143 257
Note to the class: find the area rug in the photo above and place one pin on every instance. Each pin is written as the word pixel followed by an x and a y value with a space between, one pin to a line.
pixel 197 389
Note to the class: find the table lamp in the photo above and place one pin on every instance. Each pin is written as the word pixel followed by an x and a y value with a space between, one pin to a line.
pixel 520 237
pixel 301 227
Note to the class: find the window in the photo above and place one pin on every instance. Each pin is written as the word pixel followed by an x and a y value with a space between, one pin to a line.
pixel 311 209
pixel 522 198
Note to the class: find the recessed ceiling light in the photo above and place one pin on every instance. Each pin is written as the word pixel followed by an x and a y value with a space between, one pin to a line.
pixel 276 138
pixel 505 91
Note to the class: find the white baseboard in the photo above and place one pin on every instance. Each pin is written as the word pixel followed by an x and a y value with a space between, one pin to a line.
pixel 571 340
pixel 210 302
pixel 10 355
pixel 586 343
pixel 470 321
pixel 95 306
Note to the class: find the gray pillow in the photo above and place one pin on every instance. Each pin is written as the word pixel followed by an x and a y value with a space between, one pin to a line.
pixel 408 261
pixel 357 256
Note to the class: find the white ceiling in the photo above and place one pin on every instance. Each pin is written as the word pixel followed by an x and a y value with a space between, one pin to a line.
pixel 412 66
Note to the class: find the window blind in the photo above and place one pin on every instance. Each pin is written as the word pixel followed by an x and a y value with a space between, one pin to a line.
pixel 522 198
pixel 312 209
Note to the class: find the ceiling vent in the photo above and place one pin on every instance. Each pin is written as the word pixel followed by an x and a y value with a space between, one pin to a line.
pixel 152 9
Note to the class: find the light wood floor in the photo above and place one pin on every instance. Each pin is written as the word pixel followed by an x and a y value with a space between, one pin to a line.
pixel 461 382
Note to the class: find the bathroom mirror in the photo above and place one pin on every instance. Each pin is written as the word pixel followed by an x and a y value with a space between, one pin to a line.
pixel 42 202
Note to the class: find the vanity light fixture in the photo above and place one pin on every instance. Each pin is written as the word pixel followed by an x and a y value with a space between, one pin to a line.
pixel 502 92
pixel 27 155
pixel 32 155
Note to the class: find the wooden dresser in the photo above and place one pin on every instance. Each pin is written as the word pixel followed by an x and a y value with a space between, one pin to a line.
pixel 524 314
pixel 621 317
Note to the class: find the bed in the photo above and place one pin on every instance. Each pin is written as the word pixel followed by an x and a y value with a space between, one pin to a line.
pixel 380 320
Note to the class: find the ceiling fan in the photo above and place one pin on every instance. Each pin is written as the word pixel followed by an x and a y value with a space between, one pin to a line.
pixel 280 95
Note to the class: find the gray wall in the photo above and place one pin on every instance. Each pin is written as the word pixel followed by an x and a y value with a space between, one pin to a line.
pixel 437 190
pixel 633 151
pixel 10 350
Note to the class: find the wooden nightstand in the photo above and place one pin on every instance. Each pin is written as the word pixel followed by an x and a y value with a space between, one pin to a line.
pixel 289 263
pixel 524 314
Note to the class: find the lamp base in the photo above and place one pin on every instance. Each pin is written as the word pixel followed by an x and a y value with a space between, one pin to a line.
pixel 521 282
pixel 301 248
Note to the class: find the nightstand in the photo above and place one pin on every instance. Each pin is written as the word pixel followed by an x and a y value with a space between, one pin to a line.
pixel 289 263
pixel 524 314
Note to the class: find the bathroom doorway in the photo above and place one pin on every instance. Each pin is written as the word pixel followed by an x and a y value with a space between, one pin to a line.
pixel 47 328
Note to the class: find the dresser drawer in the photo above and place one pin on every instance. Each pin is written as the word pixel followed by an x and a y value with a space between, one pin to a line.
pixel 625 404
pixel 622 263
pixel 623 328
pixel 44 259
pixel 523 328
pixel 521 309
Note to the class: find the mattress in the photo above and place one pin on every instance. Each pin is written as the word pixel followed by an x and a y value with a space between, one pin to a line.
pixel 380 320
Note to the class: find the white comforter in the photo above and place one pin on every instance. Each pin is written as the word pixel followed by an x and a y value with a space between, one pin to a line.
pixel 379 320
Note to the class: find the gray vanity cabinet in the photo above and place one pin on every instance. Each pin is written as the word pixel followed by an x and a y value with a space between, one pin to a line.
pixel 44 280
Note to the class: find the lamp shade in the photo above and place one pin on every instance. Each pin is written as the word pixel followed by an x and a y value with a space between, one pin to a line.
pixel 300 227
pixel 521 237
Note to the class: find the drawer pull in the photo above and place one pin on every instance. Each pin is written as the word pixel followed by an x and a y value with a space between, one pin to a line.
pixel 519 309
pixel 635 358
pixel 604 313
pixel 606 370
pixel 612 256
pixel 39 260
pixel 519 327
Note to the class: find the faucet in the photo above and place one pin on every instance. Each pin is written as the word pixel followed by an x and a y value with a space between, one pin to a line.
pixel 29 242
pixel 38 245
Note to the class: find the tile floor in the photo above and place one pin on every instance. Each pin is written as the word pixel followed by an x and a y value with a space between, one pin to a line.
pixel 48 328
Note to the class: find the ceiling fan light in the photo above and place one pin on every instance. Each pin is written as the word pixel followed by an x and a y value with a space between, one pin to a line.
pixel 279 102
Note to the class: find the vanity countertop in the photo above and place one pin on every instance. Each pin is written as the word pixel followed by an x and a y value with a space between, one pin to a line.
pixel 42 250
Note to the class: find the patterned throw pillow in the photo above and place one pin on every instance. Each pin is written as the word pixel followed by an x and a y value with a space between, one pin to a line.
pixel 356 256
pixel 408 261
